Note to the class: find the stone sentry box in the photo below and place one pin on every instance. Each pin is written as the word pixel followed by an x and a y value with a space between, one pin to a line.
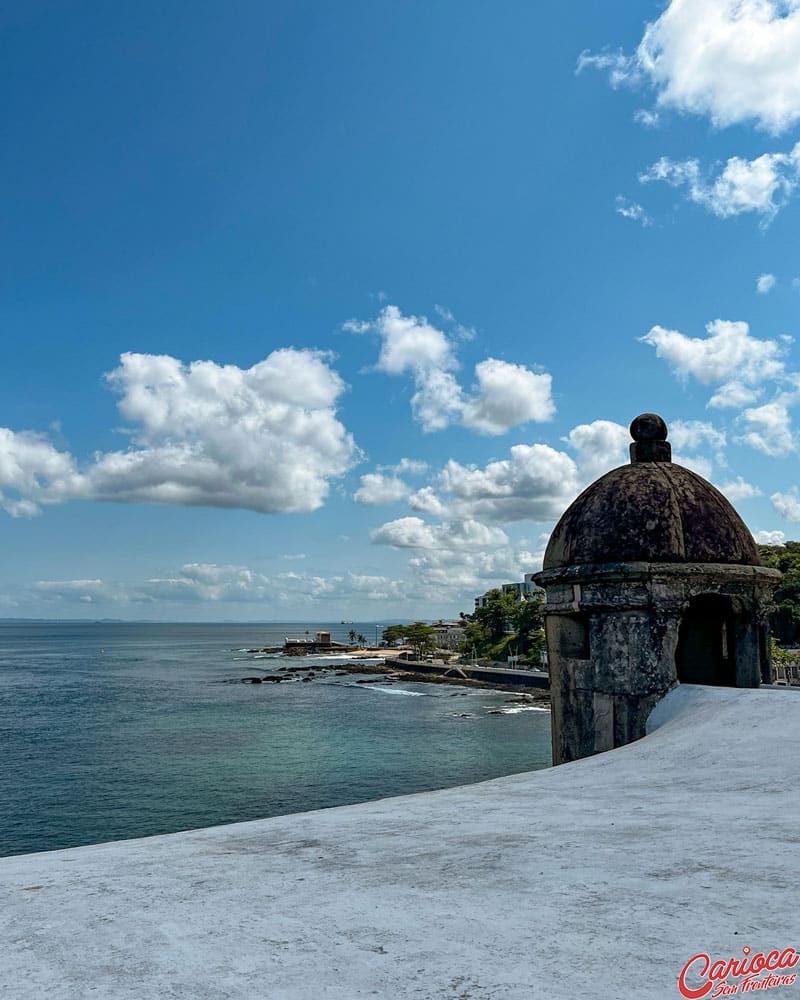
pixel 652 579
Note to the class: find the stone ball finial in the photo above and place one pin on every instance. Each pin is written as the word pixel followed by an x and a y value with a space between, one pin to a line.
pixel 649 433
pixel 648 427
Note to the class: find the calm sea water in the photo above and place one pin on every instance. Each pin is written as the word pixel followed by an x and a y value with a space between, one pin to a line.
pixel 110 731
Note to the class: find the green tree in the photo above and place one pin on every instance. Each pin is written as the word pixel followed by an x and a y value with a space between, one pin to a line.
pixel 394 633
pixel 781 657
pixel 362 639
pixel 351 635
pixel 530 617
pixel 500 611
pixel 421 638
pixel 530 628
pixel 505 624
pixel 476 636
pixel 784 663
pixel 785 619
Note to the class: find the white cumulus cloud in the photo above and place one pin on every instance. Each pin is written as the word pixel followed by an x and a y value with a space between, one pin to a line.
pixel 693 435
pixel 425 501
pixel 207 582
pixel 632 210
pixel 770 537
pixel 535 483
pixel 737 489
pixel 647 117
pixel 504 396
pixel 409 466
pixel 377 489
pixel 622 69
pixel 765 283
pixel 768 429
pixel 415 533
pixel 729 356
pixel 734 395
pixel 411 343
pixel 732 61
pixel 508 395
pixel 470 573
pixel 762 185
pixel 31 468
pixel 210 583
pixel 600 446
pixel 438 401
pixel 265 439
pixel 787 504
pixel 697 463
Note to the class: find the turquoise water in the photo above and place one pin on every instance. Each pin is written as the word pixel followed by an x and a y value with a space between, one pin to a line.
pixel 109 731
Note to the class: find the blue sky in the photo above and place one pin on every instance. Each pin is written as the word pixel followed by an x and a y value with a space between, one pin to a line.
pixel 321 311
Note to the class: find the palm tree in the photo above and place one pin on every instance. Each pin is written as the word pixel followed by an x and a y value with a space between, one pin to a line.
pixel 362 640
pixel 351 635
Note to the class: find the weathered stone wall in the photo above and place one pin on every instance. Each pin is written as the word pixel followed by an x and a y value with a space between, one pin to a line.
pixel 612 633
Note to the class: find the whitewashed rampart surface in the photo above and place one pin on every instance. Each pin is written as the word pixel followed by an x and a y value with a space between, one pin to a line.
pixel 598 879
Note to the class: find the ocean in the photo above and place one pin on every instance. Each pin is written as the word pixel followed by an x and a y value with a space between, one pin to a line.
pixel 118 730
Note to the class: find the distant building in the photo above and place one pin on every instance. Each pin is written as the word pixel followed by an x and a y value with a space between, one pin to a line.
pixel 449 635
pixel 530 588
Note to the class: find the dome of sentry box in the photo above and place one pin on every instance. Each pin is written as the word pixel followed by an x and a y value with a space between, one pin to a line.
pixel 650 511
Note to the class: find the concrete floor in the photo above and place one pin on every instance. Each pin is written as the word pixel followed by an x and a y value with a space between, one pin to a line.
pixel 597 879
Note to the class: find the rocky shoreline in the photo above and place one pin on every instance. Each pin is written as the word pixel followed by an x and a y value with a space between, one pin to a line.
pixel 387 674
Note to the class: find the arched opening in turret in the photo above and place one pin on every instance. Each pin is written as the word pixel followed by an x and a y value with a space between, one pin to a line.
pixel 706 651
